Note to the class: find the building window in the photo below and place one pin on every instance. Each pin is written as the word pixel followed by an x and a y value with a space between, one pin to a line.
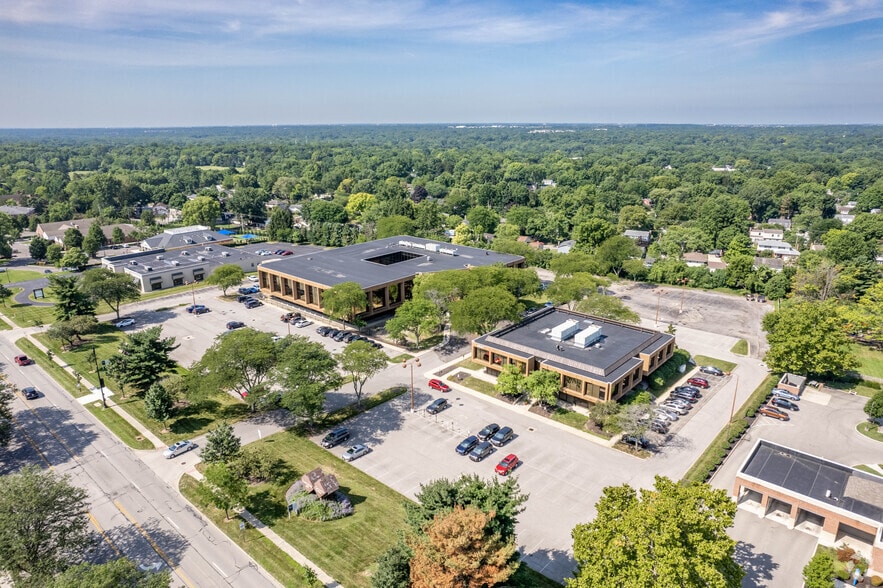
pixel 377 299
pixel 178 281
pixel 573 384
pixel 286 287
pixel 263 278
pixel 198 276
pixel 156 285
pixel 482 354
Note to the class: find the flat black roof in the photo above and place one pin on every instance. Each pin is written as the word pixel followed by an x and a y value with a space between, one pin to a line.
pixel 826 481
pixel 385 260
pixel 614 355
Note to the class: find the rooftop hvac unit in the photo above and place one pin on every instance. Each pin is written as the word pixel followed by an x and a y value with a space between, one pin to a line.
pixel 564 331
pixel 225 254
pixel 200 257
pixel 432 246
pixel 160 257
pixel 587 336
pixel 176 262
pixel 188 240
pixel 185 253
pixel 208 248
pixel 208 237
pixel 447 251
pixel 133 262
pixel 148 268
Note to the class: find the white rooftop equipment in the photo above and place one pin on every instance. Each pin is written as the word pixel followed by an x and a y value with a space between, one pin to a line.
pixel 564 331
pixel 587 336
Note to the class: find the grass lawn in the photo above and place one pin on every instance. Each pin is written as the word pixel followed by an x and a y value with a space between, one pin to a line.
pixel 468 364
pixel 11 276
pixel 117 424
pixel 400 358
pixel 4 326
pixel 726 366
pixel 740 348
pixel 867 469
pixel 28 315
pixel 870 430
pixel 279 564
pixel 870 359
pixel 345 548
pixel 480 386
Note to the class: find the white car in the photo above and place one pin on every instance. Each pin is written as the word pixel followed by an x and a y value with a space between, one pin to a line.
pixel 355 452
pixel 252 278
pixel 303 323
pixel 126 322
pixel 178 448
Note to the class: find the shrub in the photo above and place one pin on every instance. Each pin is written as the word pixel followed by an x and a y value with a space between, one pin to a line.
pixel 876 581
pixel 668 371
pixel 255 464
pixel 845 553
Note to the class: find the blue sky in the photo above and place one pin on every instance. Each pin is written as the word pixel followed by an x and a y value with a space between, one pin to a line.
pixel 113 63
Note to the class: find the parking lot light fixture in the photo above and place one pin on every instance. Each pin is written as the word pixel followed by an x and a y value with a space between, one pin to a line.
pixel 193 292
pixel 412 363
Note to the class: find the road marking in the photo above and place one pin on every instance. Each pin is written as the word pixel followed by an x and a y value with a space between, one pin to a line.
pixel 103 534
pixel 217 567
pixel 173 523
pixel 153 544
pixel 32 444
pixel 53 433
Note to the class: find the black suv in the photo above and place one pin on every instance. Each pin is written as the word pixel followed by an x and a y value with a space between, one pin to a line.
pixel 488 432
pixel 481 451
pixel 335 437
pixel 438 405
pixel 502 436
pixel 323 330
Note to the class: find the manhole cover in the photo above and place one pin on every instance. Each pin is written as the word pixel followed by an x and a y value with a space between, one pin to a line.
pixel 531 429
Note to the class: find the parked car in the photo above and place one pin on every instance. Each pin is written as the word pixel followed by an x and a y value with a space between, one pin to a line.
pixel 659 427
pixel 178 448
pixel 323 330
pixel 22 360
pixel 30 392
pixel 126 322
pixel 253 304
pixel 249 290
pixel 772 411
pixel 785 394
pixel 243 298
pixel 286 252
pixel 635 441
pixel 289 317
pixel 278 252
pixel 691 389
pixel 710 369
pixel 339 336
pixel 439 385
pixel 488 432
pixel 784 403
pixel 507 464
pixel 335 437
pixel 467 444
pixel 252 278
pixel 438 405
pixel 684 396
pixel 502 436
pixel 355 452
pixel 700 382
pixel 332 333
pixel 202 310
pixel 193 307
pixel 350 337
pixel 481 451
pixel 302 323
pixel 669 415
pixel 679 408
pixel 235 325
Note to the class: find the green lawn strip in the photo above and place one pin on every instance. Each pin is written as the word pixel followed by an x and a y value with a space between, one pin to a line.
pixel 117 424
pixel 400 358
pixel 740 348
pixel 870 430
pixel 574 419
pixel 468 364
pixel 4 326
pixel 105 340
pixel 28 315
pixel 480 385
pixel 19 275
pixel 871 360
pixel 345 548
pixel 867 469
pixel 347 412
pixel 279 564
pixel 527 577
pixel 725 366
pixel 717 450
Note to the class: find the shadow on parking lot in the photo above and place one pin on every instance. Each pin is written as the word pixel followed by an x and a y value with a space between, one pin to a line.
pixel 758 566
pixel 542 559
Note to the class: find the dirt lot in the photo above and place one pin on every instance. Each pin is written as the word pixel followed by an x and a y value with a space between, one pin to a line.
pixel 714 312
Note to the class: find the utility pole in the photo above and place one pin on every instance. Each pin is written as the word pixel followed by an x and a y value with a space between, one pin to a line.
pixel 411 364
pixel 100 379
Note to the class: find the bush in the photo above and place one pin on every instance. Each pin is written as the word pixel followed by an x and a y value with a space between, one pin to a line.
pixel 845 553
pixel 876 581
pixel 604 415
pixel 668 372
pixel 255 464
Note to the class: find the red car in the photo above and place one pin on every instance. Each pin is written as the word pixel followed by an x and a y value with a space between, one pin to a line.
pixel 701 382
pixel 439 385
pixel 509 463
pixel 23 360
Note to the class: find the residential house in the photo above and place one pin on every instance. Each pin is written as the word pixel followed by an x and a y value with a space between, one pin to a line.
pixel 641 238
pixel 55 231
pixel 763 234
pixel 696 259
pixel 785 223
pixel 17 210
pixel 777 248
pixel 185 237
pixel 774 263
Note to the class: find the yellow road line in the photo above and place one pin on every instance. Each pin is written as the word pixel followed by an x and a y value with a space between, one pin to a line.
pixel 153 544
pixel 103 534
pixel 53 433
pixel 32 444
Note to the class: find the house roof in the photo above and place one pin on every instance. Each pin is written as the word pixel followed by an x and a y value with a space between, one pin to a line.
pixel 17 210
pixel 775 263
pixel 184 237
pixel 633 234
pixel 696 257
pixel 57 230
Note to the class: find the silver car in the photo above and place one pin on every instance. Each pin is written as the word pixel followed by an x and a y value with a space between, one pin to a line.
pixel 355 452
pixel 178 448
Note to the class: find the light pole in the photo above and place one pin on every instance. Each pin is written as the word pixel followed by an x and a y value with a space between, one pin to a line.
pixel 411 364
pixel 193 293
pixel 658 300
pixel 683 282
pixel 100 379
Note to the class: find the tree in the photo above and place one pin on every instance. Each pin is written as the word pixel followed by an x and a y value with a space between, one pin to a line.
pixel 482 219
pixel 75 258
pixel 280 224
pixel 226 276
pixel 54 253
pixel 112 288
pixel 71 331
pixel 222 488
pixel 202 210
pixel 120 572
pixel 37 248
pixel 70 300
pixel 874 406
pixel 592 233
pixel 344 301
pixel 571 289
pixel 144 358
pixel 393 568
pixel 221 444
pixel 392 226
pixel 808 338
pixel 241 362
pixel 9 232
pixel 481 310
pixel 358 203
pixel 43 527
pixel 7 419
pixel 94 240
pixel 819 571
pixel 544 386
pixel 777 286
pixel 361 361
pixel 609 307
pixel 5 293
pixel 614 252
pixel 72 238
pixel 305 372
pixel 673 535
pixel 117 235
pixel 511 381
pixel 158 403
pixel 843 246
pixel 458 550
pixel 417 316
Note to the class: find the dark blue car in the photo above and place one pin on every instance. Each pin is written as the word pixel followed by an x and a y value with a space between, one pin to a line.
pixel 467 444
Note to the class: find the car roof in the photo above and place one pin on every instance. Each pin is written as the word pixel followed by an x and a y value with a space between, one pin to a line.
pixel 510 457
pixel 504 430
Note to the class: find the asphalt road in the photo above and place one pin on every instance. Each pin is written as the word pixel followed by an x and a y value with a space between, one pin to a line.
pixel 139 514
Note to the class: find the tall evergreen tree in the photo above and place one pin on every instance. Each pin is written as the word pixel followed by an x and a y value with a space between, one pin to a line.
pixel 143 359
pixel 70 300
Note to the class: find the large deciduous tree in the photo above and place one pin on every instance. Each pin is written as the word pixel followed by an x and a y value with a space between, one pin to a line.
pixel 202 210
pixel 222 488
pixel 361 361
pixel 280 224
pixel 481 310
pixel 72 331
pixel 571 289
pixel 874 406
pixel 544 386
pixel 37 248
pixel 112 288
pixel 609 307
pixel 417 316
pixel 70 300
pixel 74 258
pixel 73 238
pixel 305 372
pixel 808 338
pixel 241 362
pixel 511 381
pixel 119 573
pixel 94 240
pixel 43 525
pixel 158 403
pixel 6 417
pixel 9 232
pixel 613 253
pixel 226 276
pixel 673 535
pixel 144 358
pixel 457 549
pixel 344 301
